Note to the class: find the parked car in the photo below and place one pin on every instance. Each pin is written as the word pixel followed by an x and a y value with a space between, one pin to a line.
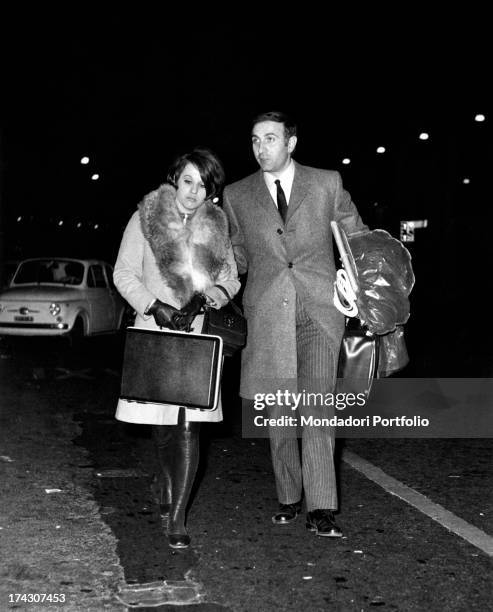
pixel 8 269
pixel 61 296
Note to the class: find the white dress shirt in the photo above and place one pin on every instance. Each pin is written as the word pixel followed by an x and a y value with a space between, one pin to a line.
pixel 286 178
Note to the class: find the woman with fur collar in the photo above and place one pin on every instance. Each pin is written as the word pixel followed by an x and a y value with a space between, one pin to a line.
pixel 174 257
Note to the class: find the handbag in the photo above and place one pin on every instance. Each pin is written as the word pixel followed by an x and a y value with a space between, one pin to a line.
pixel 227 322
pixel 171 367
pixel 358 359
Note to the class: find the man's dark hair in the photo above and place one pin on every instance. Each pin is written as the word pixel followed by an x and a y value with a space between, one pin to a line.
pixel 278 117
pixel 207 163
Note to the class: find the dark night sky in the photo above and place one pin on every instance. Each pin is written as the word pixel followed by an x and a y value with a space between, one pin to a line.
pixel 131 91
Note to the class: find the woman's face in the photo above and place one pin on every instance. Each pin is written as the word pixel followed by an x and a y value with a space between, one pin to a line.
pixel 190 189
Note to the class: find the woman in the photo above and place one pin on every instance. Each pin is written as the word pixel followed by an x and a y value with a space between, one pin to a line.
pixel 174 256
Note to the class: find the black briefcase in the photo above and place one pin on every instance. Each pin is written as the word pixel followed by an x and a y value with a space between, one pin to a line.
pixel 168 367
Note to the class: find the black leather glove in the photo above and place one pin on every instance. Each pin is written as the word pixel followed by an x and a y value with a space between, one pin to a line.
pixel 194 305
pixel 188 312
pixel 163 314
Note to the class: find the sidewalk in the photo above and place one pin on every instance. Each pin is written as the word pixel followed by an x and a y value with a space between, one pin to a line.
pixel 52 537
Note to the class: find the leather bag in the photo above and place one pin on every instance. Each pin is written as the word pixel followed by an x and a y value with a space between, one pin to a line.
pixel 393 355
pixel 168 367
pixel 358 359
pixel 227 322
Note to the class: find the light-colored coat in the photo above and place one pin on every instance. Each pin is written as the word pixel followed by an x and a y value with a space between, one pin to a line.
pixel 284 261
pixel 161 258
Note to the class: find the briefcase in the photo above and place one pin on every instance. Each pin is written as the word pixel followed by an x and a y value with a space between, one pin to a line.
pixel 172 367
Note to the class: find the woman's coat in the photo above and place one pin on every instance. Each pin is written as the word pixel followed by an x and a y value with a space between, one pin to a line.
pixel 161 257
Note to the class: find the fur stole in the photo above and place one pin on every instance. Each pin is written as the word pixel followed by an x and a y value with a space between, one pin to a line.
pixel 189 257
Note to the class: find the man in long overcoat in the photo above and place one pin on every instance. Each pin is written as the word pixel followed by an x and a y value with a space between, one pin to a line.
pixel 281 234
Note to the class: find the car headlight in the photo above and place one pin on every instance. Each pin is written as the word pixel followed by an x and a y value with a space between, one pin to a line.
pixel 55 309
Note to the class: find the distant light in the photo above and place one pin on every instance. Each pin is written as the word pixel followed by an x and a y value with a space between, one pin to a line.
pixel 96 226
pixel 479 118
pixel 408 227
pixel 381 150
pixel 346 161
pixel 19 219
pixel 79 224
pixel 95 177
pixel 424 136
pixel 84 160
pixel 60 222
pixel 466 181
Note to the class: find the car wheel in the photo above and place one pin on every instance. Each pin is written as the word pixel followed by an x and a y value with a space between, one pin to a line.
pixel 76 336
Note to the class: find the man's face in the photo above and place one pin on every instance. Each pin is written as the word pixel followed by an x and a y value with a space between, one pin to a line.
pixel 271 148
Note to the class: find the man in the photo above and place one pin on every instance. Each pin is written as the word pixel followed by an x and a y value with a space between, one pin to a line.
pixel 280 230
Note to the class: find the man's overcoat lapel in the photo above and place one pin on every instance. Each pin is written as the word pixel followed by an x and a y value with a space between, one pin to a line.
pixel 298 193
pixel 263 198
pixel 298 190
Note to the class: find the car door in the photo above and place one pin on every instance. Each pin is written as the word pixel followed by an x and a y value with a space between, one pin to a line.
pixel 118 302
pixel 101 302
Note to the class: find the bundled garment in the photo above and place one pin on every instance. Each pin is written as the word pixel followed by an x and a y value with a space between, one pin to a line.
pixel 385 278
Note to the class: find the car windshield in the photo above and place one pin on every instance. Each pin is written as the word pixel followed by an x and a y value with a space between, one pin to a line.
pixel 51 271
pixel 8 270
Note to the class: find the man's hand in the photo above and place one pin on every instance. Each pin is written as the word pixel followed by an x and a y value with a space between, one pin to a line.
pixel 163 314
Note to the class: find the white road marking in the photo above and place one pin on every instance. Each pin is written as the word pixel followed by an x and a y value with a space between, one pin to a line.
pixel 438 513
pixel 156 594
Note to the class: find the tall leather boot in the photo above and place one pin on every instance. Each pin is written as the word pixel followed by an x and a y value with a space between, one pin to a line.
pixel 185 462
pixel 161 484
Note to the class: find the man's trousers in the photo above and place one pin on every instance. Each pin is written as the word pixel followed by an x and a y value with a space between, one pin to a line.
pixel 314 472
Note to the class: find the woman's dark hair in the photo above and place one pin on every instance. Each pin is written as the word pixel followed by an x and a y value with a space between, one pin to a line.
pixel 207 163
pixel 278 117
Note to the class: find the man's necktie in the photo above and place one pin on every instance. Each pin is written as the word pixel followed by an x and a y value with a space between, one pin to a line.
pixel 282 205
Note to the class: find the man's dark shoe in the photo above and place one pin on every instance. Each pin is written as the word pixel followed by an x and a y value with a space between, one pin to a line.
pixel 323 523
pixel 287 513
